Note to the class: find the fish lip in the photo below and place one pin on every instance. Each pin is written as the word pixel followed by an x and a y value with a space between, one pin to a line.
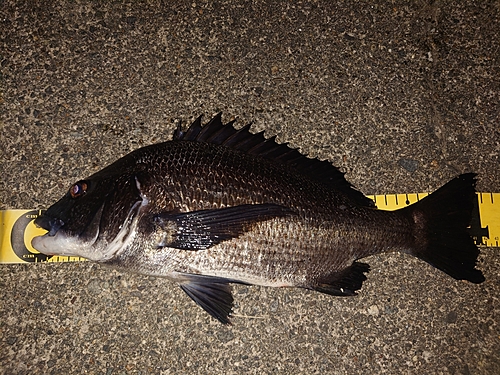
pixel 50 224
pixel 59 244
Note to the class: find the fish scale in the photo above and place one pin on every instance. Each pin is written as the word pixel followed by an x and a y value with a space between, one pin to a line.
pixel 220 205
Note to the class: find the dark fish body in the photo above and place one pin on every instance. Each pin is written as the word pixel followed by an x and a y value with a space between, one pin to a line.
pixel 218 205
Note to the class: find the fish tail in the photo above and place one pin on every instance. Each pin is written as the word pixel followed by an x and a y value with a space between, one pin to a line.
pixel 441 220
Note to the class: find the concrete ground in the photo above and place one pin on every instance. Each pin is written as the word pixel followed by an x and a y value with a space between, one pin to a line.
pixel 402 96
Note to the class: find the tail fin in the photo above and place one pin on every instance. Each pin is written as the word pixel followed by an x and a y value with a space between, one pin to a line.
pixel 441 237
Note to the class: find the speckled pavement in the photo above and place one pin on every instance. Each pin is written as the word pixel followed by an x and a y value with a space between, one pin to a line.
pixel 402 96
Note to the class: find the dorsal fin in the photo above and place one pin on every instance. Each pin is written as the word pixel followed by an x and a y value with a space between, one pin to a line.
pixel 243 140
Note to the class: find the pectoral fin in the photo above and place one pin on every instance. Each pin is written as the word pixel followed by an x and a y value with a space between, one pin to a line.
pixel 213 294
pixel 199 230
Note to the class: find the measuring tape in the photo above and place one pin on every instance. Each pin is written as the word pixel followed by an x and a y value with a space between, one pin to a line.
pixel 17 228
pixel 16 232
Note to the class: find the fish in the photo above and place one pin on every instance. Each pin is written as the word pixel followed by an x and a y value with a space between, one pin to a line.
pixel 218 205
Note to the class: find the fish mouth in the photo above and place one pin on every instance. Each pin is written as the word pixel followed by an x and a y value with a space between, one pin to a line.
pixel 50 224
pixel 59 241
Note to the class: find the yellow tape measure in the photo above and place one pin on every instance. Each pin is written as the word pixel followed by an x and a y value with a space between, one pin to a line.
pixel 16 232
pixel 17 228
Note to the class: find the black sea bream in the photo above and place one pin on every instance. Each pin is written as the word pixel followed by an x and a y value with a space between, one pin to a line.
pixel 217 205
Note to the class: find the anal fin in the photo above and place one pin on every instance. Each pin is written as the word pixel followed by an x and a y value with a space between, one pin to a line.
pixel 345 282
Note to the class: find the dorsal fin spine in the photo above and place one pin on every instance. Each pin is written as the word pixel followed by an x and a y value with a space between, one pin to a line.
pixel 193 130
pixel 244 141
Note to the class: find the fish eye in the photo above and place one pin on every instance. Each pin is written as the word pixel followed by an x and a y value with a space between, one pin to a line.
pixel 78 189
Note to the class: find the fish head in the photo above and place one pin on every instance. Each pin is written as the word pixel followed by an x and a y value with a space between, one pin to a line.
pixel 95 218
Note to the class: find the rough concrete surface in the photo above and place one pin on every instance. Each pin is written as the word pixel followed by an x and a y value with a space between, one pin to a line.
pixel 401 95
